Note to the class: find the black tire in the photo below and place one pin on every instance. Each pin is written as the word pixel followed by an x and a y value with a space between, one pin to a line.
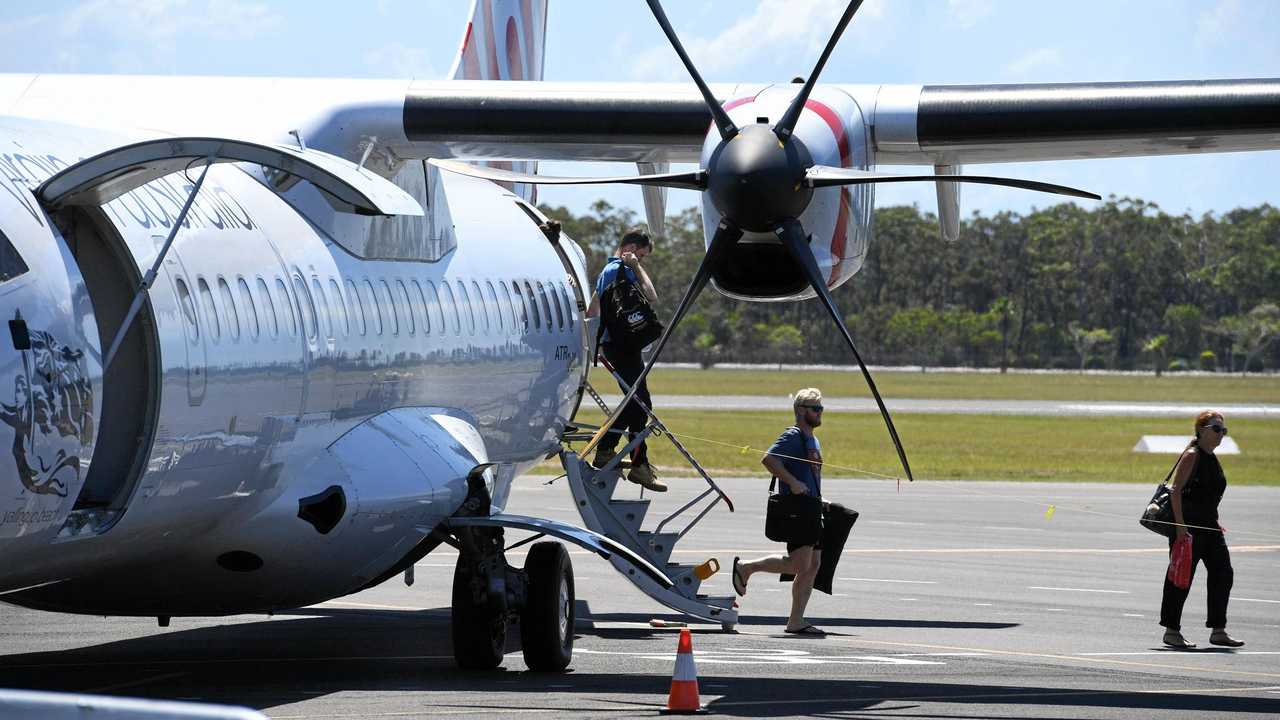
pixel 479 637
pixel 546 625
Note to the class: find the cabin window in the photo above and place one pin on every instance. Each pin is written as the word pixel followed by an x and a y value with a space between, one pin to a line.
pixel 188 310
pixel 354 306
pixel 407 304
pixel 306 306
pixel 324 321
pixel 555 300
pixel 570 307
pixel 436 307
pixel 375 308
pixel 533 305
pixel 285 304
pixel 229 302
pixel 424 309
pixel 337 308
pixel 11 263
pixel 468 311
pixel 524 307
pixel 268 308
pixel 497 309
pixel 250 309
pixel 446 299
pixel 511 308
pixel 389 300
pixel 210 310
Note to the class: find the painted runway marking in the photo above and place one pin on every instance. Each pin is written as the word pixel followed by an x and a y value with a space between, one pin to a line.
pixel 1165 652
pixel 1066 589
pixel 886 580
pixel 1274 602
pixel 374 606
pixel 984 604
pixel 1134 615
pixel 771 657
pixel 1054 610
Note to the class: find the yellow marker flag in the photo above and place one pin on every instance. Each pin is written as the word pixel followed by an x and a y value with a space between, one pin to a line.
pixel 745 448
pixel 1048 514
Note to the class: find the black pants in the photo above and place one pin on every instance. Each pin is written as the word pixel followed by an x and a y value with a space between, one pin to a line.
pixel 633 419
pixel 1210 547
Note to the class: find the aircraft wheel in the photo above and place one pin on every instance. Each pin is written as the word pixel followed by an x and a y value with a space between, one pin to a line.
pixel 546 626
pixel 479 634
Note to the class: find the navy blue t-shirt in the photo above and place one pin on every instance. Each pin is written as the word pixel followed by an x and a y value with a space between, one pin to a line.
pixel 792 445
pixel 610 275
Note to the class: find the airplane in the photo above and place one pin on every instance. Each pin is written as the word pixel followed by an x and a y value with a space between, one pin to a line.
pixel 272 341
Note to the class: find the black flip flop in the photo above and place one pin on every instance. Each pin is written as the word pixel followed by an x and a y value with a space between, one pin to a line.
pixel 739 585
pixel 812 630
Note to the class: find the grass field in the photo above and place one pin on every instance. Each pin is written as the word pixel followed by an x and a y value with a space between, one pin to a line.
pixel 959 447
pixel 1218 389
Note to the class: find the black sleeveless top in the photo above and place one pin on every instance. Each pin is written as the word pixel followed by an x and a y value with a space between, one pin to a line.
pixel 1203 491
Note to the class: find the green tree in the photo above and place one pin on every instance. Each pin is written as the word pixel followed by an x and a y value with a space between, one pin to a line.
pixel 1252 332
pixel 1086 341
pixel 1157 346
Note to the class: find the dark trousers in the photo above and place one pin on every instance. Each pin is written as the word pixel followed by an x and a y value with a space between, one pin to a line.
pixel 1210 547
pixel 633 419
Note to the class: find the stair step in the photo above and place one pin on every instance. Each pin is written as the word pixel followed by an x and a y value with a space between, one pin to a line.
pixel 682 575
pixel 720 601
pixel 630 513
pixel 658 546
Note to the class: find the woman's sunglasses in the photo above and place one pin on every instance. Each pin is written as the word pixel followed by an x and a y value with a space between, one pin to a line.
pixel 1220 429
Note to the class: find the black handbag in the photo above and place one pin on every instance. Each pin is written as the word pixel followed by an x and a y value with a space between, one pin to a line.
pixel 792 518
pixel 1158 517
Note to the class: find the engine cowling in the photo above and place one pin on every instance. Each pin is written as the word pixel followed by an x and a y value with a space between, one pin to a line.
pixel 834 132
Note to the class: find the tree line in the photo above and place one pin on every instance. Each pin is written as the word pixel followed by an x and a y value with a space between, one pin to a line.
pixel 1122 286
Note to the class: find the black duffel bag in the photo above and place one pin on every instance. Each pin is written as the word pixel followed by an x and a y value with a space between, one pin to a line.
pixel 793 518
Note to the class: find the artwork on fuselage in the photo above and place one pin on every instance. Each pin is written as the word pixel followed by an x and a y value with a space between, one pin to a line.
pixel 51 414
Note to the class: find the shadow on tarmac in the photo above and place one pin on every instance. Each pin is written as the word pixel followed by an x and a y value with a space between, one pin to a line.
pixel 267 664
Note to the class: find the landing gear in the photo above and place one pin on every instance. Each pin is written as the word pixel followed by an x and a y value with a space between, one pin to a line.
pixel 489 595
pixel 479 623
pixel 546 623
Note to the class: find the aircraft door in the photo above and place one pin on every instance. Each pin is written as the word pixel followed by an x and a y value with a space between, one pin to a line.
pixel 197 355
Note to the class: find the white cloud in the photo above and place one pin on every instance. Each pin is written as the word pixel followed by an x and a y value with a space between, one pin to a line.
pixel 968 13
pixel 1214 22
pixel 401 61
pixel 88 36
pixel 1036 61
pixel 779 29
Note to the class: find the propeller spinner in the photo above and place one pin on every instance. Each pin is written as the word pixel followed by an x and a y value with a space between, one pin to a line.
pixel 761 179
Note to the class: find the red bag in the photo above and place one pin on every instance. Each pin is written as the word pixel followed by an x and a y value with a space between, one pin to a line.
pixel 1180 562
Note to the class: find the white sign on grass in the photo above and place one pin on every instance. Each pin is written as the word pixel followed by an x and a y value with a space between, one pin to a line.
pixel 1174 444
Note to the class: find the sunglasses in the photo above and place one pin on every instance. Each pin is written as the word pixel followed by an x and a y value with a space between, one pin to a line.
pixel 815 408
pixel 1220 429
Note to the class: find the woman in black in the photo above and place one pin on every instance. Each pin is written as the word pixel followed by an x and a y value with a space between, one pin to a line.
pixel 1198 486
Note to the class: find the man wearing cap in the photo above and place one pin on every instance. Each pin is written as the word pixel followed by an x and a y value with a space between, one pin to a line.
pixel 627 361
pixel 795 458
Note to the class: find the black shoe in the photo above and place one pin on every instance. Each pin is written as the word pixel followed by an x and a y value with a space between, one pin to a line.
pixel 603 456
pixel 1174 639
pixel 1220 637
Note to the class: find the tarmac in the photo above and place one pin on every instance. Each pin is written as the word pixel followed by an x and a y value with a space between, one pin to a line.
pixel 952 600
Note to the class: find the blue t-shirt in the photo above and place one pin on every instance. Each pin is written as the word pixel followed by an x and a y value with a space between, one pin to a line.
pixel 610 275
pixel 793 444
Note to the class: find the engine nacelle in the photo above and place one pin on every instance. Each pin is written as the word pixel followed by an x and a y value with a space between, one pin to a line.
pixel 838 220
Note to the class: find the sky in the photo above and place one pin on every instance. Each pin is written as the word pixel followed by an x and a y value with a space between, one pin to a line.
pixel 889 41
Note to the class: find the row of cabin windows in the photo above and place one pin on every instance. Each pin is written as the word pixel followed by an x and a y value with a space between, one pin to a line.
pixel 370 307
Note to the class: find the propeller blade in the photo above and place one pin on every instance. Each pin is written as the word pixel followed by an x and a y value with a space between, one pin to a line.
pixel 787 124
pixel 796 241
pixel 820 176
pixel 723 123
pixel 725 238
pixel 695 180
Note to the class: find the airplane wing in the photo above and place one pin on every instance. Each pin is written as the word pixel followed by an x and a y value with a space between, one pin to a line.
pixel 909 124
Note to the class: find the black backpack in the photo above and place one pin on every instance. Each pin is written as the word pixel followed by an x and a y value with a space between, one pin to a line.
pixel 626 313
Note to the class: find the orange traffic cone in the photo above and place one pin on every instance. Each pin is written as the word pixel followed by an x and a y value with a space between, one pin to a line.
pixel 684 681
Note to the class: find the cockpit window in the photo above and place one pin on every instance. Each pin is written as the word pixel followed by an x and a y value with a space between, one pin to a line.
pixel 11 263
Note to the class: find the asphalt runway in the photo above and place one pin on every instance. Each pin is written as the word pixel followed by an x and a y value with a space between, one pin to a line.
pixel 953 600
pixel 1071 408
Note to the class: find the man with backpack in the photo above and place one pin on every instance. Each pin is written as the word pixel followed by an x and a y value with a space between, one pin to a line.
pixel 623 299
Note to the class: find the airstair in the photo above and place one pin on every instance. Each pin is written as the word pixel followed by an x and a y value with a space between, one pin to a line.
pixel 595 493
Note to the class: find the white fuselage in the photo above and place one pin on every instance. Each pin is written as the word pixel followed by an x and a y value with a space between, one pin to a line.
pixel 268 341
